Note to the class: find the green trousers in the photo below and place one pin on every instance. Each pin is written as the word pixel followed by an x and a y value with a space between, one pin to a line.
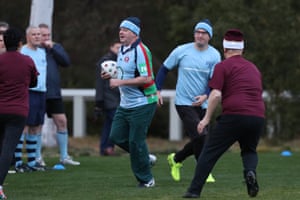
pixel 129 131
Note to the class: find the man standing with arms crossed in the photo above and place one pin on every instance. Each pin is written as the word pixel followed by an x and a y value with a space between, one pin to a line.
pixel 195 62
pixel 56 56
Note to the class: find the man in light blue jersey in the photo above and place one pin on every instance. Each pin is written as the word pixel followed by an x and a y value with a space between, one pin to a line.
pixel 138 100
pixel 37 103
pixel 195 62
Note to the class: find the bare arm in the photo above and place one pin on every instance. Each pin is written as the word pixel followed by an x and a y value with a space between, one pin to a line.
pixel 213 100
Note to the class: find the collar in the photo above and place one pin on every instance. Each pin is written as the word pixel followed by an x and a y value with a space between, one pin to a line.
pixel 132 46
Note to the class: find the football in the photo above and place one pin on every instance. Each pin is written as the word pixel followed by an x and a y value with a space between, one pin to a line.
pixel 110 67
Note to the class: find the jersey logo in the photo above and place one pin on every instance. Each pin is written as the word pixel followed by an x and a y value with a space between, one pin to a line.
pixel 126 59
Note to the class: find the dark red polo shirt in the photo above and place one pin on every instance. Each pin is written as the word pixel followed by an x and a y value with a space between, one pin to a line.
pixel 240 82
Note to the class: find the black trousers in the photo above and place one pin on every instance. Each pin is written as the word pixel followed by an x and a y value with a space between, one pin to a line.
pixel 191 116
pixel 245 130
pixel 11 128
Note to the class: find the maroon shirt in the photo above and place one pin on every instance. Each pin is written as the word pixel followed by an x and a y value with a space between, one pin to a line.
pixel 240 83
pixel 17 72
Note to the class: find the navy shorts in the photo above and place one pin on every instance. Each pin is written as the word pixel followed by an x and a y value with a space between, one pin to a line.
pixel 37 108
pixel 54 106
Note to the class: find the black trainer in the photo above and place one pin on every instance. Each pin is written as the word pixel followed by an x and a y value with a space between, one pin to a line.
pixel 190 195
pixel 252 185
pixel 37 167
pixel 22 168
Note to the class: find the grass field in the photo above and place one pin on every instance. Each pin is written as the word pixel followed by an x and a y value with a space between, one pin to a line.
pixel 111 178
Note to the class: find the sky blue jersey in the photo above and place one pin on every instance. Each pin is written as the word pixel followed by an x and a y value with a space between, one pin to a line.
pixel 195 68
pixel 132 62
pixel 39 58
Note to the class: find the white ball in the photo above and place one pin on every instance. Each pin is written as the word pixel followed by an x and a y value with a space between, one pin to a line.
pixel 110 67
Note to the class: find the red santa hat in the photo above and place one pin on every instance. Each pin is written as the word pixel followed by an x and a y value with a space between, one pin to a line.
pixel 233 39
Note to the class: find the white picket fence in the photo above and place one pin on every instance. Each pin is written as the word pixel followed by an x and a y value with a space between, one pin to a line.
pixel 79 97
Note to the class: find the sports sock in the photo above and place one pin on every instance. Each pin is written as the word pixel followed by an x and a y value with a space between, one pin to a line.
pixel 31 141
pixel 18 151
pixel 39 146
pixel 62 140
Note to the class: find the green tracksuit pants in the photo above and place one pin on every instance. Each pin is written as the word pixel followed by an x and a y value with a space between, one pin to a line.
pixel 129 131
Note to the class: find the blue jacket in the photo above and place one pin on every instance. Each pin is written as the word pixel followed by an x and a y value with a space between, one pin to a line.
pixel 56 57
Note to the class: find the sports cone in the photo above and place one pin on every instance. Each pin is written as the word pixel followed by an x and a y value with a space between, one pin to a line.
pixel 210 179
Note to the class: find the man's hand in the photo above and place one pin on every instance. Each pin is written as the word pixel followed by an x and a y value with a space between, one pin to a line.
pixel 48 44
pixel 199 100
pixel 201 125
pixel 105 75
pixel 160 101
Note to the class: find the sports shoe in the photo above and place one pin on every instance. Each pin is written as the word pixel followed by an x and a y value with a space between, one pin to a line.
pixel 149 184
pixel 22 168
pixel 252 185
pixel 210 179
pixel 2 195
pixel 69 161
pixel 41 161
pixel 190 195
pixel 152 160
pixel 175 167
pixel 37 167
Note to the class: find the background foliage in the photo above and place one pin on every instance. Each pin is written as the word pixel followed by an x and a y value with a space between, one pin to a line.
pixel 271 28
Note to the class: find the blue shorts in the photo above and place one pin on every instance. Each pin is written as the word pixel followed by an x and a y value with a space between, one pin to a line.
pixel 37 108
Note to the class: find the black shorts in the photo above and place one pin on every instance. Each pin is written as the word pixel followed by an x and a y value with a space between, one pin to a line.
pixel 54 106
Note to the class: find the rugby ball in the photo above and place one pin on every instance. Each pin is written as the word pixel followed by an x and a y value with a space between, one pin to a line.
pixel 110 67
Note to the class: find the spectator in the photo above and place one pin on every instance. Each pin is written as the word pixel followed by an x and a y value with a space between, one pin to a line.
pixel 37 101
pixel 107 100
pixel 56 56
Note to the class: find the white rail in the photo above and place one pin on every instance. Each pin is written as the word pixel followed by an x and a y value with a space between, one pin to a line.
pixel 80 96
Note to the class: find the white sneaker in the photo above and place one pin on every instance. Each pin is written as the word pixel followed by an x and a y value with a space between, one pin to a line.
pixel 152 159
pixel 41 162
pixel 149 184
pixel 69 161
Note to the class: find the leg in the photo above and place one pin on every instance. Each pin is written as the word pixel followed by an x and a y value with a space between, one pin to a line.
pixel 119 134
pixel 248 143
pixel 218 141
pixel 190 117
pixel 60 121
pixel 140 121
pixel 12 132
pixel 107 146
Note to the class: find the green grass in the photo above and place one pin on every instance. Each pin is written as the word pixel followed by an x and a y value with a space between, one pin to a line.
pixel 111 178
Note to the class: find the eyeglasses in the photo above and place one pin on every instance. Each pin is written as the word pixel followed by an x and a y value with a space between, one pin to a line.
pixel 201 32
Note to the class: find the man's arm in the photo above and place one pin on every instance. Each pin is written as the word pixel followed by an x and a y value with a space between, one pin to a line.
pixel 60 55
pixel 213 100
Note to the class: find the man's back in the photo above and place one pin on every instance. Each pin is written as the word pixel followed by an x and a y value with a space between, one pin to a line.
pixel 15 77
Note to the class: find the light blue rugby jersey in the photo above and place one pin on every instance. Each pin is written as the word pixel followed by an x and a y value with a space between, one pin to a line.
pixel 39 58
pixel 132 96
pixel 195 68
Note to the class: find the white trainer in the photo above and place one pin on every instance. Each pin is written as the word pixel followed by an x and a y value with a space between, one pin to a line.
pixel 149 184
pixel 40 161
pixel 69 161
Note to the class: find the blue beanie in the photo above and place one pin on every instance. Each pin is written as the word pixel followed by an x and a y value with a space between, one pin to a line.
pixel 132 23
pixel 206 25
